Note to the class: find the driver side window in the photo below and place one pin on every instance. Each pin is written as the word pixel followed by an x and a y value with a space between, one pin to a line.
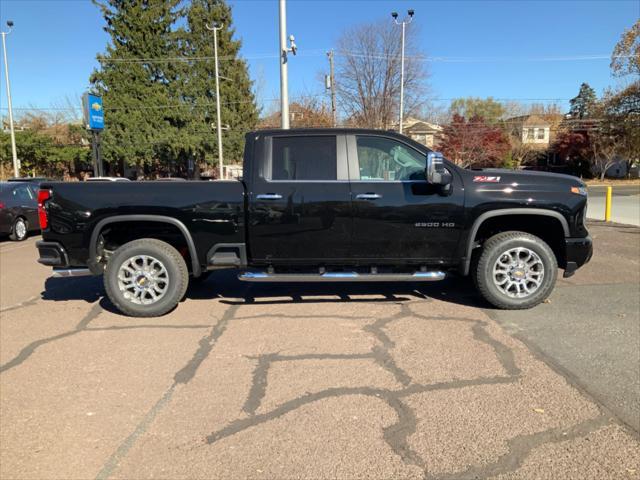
pixel 383 159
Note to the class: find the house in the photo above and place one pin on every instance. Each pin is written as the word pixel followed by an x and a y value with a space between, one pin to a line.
pixel 531 130
pixel 421 131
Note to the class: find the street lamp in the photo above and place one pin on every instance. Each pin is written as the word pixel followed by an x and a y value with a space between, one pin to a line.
pixel 16 164
pixel 407 20
pixel 284 72
pixel 215 27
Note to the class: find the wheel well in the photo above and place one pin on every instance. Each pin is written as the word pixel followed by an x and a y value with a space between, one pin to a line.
pixel 115 234
pixel 547 228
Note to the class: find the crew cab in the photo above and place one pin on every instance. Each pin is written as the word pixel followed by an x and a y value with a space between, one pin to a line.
pixel 321 205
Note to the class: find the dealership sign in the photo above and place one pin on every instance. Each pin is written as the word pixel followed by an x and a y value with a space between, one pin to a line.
pixel 93 111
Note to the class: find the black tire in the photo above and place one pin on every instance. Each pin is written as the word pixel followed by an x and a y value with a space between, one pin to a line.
pixel 498 246
pixel 19 230
pixel 177 277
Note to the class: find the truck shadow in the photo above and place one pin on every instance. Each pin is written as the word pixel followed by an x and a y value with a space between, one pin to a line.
pixel 225 287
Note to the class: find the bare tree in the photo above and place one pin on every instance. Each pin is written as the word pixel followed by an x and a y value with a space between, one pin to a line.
pixel 368 73
pixel 606 148
pixel 521 153
pixel 305 111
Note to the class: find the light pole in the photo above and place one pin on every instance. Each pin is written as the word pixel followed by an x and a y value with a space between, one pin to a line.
pixel 332 81
pixel 16 163
pixel 284 74
pixel 404 23
pixel 215 27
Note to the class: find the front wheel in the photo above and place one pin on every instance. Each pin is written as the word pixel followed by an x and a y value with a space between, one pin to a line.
pixel 146 278
pixel 516 270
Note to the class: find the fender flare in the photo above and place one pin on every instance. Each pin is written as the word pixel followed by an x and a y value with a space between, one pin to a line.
pixel 93 244
pixel 503 212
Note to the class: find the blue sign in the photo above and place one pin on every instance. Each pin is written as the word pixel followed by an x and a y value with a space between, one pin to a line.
pixel 93 111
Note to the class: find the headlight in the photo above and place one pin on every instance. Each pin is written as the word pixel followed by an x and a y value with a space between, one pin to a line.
pixel 579 191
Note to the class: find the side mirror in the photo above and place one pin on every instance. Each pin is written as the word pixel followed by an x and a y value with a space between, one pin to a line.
pixel 436 173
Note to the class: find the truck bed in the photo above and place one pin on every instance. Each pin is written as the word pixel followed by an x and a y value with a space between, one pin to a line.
pixel 212 212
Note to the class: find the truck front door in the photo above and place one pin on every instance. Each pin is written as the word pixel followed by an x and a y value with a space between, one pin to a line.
pixel 398 216
pixel 299 200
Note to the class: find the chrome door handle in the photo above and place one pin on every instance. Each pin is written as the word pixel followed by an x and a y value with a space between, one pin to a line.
pixel 368 196
pixel 269 196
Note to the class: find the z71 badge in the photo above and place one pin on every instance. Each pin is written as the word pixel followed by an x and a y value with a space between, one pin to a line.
pixel 486 179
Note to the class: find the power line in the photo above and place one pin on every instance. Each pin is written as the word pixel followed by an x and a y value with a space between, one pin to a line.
pixel 203 105
pixel 343 53
pixel 426 58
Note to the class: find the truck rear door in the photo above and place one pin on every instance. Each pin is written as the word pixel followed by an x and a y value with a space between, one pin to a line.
pixel 299 200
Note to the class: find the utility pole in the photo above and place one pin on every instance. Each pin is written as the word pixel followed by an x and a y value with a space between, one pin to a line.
pixel 14 153
pixel 215 27
pixel 332 85
pixel 404 23
pixel 284 74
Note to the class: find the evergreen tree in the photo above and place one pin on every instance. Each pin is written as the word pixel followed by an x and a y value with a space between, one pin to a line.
pixel 584 104
pixel 195 86
pixel 133 79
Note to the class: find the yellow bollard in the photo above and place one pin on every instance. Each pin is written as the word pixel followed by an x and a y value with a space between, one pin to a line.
pixel 607 206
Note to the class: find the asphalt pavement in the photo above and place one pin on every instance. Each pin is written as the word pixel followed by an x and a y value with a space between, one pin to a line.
pixel 625 205
pixel 322 381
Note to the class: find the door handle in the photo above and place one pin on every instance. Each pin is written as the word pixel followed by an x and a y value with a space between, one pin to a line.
pixel 368 196
pixel 269 196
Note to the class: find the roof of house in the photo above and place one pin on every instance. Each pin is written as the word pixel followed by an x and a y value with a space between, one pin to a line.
pixel 421 126
pixel 530 121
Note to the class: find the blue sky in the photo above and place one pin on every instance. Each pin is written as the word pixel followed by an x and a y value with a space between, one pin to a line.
pixel 502 48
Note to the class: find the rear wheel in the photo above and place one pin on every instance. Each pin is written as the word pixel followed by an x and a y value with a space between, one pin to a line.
pixel 146 278
pixel 19 230
pixel 516 270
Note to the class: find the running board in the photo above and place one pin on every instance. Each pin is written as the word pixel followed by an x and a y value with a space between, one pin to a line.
pixel 341 277
pixel 71 272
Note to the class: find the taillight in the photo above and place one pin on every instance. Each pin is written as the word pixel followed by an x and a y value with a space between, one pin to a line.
pixel 1 205
pixel 43 196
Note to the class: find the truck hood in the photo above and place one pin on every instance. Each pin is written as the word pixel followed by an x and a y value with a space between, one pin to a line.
pixel 529 176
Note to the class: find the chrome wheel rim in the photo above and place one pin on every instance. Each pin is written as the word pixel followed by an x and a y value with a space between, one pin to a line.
pixel 143 279
pixel 21 229
pixel 518 272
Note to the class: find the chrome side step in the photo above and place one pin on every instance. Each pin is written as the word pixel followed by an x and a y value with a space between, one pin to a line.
pixel 71 272
pixel 342 277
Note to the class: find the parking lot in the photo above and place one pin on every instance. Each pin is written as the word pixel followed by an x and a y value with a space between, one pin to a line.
pixel 322 381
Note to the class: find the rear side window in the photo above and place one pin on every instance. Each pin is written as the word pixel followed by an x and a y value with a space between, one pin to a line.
pixel 304 158
pixel 22 193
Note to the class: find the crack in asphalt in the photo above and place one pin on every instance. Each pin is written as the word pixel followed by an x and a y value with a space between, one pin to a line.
pixel 395 435
pixel 27 351
pixel 83 326
pixel 522 445
pixel 182 377
pixel 25 303
pixel 259 384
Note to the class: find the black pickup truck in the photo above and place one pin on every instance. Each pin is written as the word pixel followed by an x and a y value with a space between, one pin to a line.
pixel 321 205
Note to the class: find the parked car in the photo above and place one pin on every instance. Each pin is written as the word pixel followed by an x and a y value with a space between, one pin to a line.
pixel 328 205
pixel 35 180
pixel 18 209
pixel 107 179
